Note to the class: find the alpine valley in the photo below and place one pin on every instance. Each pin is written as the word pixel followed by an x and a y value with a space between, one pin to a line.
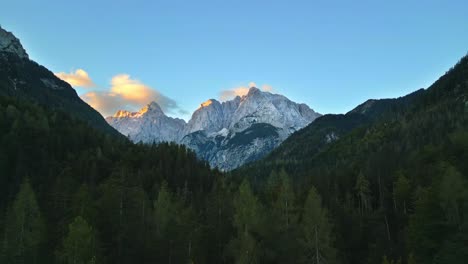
pixel 226 134
pixel 385 183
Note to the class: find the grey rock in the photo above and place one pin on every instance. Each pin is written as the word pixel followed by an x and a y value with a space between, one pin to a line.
pixel 10 44
pixel 226 134
pixel 148 125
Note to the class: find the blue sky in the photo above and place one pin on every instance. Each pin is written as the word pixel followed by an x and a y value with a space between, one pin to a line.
pixel 331 55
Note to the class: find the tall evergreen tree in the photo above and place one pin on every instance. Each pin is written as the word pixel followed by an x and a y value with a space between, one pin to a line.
pixel 177 232
pixel 83 204
pixel 401 193
pixel 218 227
pixel 248 220
pixel 316 232
pixel 282 225
pixel 285 204
pixel 426 226
pixel 24 229
pixel 362 189
pixel 452 190
pixel 80 246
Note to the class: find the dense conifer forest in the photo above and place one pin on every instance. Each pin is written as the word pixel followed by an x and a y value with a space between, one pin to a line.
pixel 391 189
pixel 395 187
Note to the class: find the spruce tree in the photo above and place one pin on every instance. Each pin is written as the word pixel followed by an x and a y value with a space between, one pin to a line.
pixel 316 232
pixel 80 246
pixel 248 220
pixel 24 230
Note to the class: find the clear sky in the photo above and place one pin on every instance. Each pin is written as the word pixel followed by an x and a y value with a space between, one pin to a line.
pixel 331 55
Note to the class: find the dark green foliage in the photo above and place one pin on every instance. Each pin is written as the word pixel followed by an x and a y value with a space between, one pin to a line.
pixel 401 194
pixel 316 232
pixel 24 231
pixel 80 246
pixel 385 183
pixel 392 174
pixel 255 131
pixel 110 183
pixel 246 246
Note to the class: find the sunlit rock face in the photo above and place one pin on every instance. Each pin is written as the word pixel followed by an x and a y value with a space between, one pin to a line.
pixel 148 125
pixel 226 134
pixel 210 117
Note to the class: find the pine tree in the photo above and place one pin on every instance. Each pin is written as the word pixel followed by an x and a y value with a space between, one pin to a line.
pixel 176 227
pixel 163 210
pixel 218 228
pixel 80 246
pixel 285 203
pixel 280 195
pixel 451 192
pixel 83 204
pixel 316 232
pixel 271 186
pixel 245 247
pixel 426 226
pixel 401 193
pixel 362 189
pixel 24 229
pixel 282 225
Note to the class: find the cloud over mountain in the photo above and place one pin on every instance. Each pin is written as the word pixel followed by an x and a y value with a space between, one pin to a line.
pixel 78 78
pixel 128 93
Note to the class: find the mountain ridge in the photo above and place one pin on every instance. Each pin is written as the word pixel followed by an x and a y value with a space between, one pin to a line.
pixel 23 78
pixel 11 44
pixel 215 124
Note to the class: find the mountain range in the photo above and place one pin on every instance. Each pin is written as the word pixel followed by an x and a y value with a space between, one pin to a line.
pixel 226 134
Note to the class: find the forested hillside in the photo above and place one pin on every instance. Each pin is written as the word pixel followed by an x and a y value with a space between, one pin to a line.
pixel 27 80
pixel 394 187
pixel 72 194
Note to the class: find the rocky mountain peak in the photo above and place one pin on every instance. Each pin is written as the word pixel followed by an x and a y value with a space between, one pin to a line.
pixel 226 134
pixel 253 91
pixel 10 44
pixel 153 108
pixel 209 102
pixel 150 109
pixel 122 113
pixel 150 124
pixel 209 117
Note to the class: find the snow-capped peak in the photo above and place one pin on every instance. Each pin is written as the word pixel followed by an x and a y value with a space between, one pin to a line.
pixel 9 43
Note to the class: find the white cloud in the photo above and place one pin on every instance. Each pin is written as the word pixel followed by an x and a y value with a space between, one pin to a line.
pixel 79 78
pixel 128 94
